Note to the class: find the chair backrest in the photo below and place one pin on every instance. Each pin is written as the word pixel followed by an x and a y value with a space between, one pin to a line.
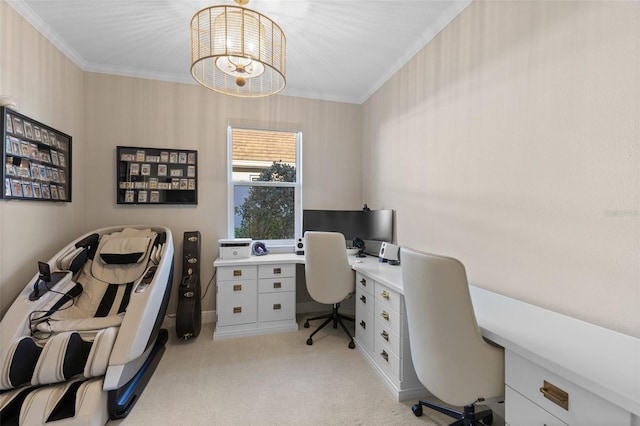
pixel 327 272
pixel 450 356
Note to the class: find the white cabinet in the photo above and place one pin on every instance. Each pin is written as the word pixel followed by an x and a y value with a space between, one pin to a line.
pixel 382 336
pixel 237 288
pixel 564 404
pixel 255 299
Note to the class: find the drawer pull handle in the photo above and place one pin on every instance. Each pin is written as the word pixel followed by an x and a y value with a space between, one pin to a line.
pixel 385 315
pixel 385 355
pixel 277 270
pixel 237 272
pixel 277 285
pixel 363 298
pixel 363 324
pixel 277 306
pixel 363 282
pixel 237 310
pixel 385 335
pixel 385 294
pixel 237 287
pixel 555 395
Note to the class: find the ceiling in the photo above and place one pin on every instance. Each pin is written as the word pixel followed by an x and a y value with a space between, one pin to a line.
pixel 336 50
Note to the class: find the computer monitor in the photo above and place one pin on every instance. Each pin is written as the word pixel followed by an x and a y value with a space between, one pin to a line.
pixel 364 224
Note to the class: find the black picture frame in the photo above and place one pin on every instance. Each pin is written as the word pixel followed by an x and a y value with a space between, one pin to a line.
pixel 31 162
pixel 146 176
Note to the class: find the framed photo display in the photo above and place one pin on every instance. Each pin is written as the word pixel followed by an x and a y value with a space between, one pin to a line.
pixel 37 159
pixel 148 176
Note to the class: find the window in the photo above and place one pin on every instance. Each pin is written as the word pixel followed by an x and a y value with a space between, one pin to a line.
pixel 265 185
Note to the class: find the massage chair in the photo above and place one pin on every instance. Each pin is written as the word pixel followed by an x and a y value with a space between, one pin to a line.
pixel 83 338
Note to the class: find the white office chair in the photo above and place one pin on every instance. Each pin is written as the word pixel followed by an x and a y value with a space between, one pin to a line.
pixel 329 277
pixel 450 356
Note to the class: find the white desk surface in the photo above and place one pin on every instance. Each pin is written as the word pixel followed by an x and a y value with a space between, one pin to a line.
pixel 602 361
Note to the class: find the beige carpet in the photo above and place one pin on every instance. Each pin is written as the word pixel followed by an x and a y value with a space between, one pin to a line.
pixel 274 379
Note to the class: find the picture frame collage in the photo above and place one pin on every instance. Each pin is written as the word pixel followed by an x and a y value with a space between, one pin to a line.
pixel 36 158
pixel 148 176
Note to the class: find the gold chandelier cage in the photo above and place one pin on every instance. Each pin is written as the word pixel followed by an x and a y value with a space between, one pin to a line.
pixel 237 51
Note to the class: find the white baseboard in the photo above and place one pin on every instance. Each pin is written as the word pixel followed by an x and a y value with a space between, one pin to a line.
pixel 207 317
pixel 301 308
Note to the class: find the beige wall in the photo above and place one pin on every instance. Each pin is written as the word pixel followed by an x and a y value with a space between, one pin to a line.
pixel 145 113
pixel 512 142
pixel 48 87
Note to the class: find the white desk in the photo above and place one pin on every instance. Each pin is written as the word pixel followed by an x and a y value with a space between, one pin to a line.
pixel 587 359
pixel 592 358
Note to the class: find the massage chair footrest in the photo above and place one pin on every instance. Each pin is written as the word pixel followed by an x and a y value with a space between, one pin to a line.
pixel 122 400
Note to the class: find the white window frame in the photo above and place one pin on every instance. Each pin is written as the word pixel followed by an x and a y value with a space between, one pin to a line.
pixel 297 185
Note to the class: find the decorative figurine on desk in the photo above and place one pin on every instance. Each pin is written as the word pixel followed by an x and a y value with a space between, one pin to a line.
pixel 259 249
pixel 359 243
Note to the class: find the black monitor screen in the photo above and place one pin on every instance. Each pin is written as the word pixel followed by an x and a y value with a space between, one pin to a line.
pixel 367 225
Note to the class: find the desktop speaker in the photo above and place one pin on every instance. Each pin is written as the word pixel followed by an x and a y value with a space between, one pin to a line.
pixel 300 246
pixel 389 253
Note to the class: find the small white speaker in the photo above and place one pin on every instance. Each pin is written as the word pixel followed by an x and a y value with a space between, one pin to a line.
pixel 300 246
pixel 389 252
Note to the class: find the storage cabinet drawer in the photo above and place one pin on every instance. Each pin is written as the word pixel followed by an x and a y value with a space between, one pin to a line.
pixel 237 309
pixel 363 300
pixel 520 411
pixel 365 326
pixel 390 318
pixel 276 285
pixel 276 271
pixel 387 337
pixel 364 283
pixel 227 273
pixel 582 407
pixel 228 289
pixel 390 298
pixel 386 359
pixel 276 306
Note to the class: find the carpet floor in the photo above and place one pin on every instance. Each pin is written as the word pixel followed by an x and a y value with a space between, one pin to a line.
pixel 274 379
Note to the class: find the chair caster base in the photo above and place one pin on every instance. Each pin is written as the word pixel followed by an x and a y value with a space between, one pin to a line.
pixel 417 409
pixel 309 341
pixel 352 345
pixel 306 324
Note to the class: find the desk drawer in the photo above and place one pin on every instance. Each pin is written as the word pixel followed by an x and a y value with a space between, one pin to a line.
pixel 364 283
pixel 364 300
pixel 584 407
pixel 365 326
pixel 388 297
pixel 277 271
pixel 387 360
pixel 228 289
pixel 239 307
pixel 247 272
pixel 387 316
pixel 276 306
pixel 387 337
pixel 276 285
pixel 520 411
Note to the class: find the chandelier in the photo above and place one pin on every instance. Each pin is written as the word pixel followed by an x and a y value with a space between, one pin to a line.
pixel 237 51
